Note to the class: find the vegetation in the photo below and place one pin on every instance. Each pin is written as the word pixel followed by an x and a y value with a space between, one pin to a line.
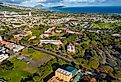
pixel 14 70
pixel 19 71
pixel 5 8
pixel 99 25
pixel 34 54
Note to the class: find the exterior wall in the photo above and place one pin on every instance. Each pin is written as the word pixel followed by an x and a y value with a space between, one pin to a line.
pixel 63 76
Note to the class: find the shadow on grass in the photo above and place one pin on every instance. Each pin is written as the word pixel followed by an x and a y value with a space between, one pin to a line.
pixel 48 77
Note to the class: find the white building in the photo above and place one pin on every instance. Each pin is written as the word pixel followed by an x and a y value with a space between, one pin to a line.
pixel 30 14
pixel 3 57
pixel 55 42
pixel 1 38
pixel 71 48
pixel 10 46
pixel 18 48
pixel 15 47
pixel 116 35
pixel 3 54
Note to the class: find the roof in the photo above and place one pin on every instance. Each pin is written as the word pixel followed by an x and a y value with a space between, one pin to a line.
pixel 63 71
pixel 1 38
pixel 71 69
pixel 79 75
pixel 6 43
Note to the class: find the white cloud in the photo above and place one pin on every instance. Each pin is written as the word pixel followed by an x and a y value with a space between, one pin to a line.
pixel 84 1
pixel 38 0
pixel 62 2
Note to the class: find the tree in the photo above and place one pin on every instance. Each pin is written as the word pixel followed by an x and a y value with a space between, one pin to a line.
pixel 93 63
pixel 27 79
pixel 7 65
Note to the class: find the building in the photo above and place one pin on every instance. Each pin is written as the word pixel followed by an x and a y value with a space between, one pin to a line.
pixel 78 77
pixel 18 48
pixel 71 74
pixel 71 69
pixel 3 54
pixel 55 42
pixel 1 38
pixel 15 47
pixel 2 42
pixel 61 76
pixel 10 46
pixel 5 42
pixel 71 48
pixel 48 32
pixel 18 36
pixel 22 34
pixel 45 35
pixel 30 14
pixel 116 35
pixel 3 57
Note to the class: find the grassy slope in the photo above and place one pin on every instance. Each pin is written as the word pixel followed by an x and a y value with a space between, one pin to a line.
pixel 5 8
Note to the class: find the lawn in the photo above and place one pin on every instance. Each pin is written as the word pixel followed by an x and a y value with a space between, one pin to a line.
pixel 23 70
pixel 105 25
pixel 19 71
pixel 33 53
pixel 102 25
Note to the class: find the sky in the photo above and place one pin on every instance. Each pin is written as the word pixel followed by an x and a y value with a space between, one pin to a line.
pixel 68 3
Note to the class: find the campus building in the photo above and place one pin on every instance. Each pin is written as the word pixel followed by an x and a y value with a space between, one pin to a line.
pixel 61 75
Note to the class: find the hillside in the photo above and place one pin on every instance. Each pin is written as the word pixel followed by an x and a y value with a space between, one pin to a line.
pixel 11 8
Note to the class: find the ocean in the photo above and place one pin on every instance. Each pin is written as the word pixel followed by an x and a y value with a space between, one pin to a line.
pixel 97 9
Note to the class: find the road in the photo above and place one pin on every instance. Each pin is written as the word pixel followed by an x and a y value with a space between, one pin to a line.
pixel 53 54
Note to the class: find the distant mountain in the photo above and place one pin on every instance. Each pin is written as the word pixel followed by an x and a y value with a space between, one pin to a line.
pixel 13 8
pixel 39 6
pixel 1 3
pixel 5 8
pixel 17 7
pixel 57 7
pixel 43 7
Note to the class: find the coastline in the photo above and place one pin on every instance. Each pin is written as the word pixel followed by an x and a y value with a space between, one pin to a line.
pixel 116 10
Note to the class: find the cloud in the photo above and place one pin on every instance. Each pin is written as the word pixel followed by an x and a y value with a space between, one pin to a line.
pixel 50 1
pixel 12 1
pixel 84 1
pixel 61 2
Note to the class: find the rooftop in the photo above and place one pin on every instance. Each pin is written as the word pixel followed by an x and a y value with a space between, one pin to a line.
pixel 63 71
pixel 71 69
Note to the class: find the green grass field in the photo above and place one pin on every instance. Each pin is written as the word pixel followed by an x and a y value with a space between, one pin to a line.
pixel 20 70
pixel 105 25
pixel 33 53
pixel 23 70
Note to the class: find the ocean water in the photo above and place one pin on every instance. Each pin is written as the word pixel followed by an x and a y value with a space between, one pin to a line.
pixel 98 9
